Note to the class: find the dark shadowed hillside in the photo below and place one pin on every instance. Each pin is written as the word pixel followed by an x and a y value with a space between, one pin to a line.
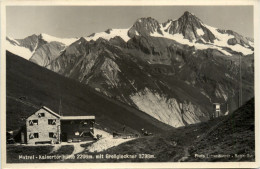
pixel 235 136
pixel 227 135
pixel 30 86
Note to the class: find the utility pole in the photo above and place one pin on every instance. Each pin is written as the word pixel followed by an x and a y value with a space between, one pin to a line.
pixel 240 82
pixel 60 107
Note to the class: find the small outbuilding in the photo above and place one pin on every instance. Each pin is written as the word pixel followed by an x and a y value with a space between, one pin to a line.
pixel 216 110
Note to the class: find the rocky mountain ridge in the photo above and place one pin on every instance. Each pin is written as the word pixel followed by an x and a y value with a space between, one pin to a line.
pixel 187 30
pixel 172 71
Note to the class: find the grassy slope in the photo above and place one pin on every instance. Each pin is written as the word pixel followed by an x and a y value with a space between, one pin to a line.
pixel 40 86
pixel 234 133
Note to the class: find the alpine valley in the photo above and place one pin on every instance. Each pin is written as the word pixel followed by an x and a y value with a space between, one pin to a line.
pixel 173 71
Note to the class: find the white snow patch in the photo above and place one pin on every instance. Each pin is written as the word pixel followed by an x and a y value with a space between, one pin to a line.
pixel 251 43
pixel 107 141
pixel 65 41
pixel 218 44
pixel 12 39
pixel 113 33
pixel 18 50
pixel 200 32
pixel 180 38
pixel 167 26
pixel 222 40
pixel 156 34
pixel 241 49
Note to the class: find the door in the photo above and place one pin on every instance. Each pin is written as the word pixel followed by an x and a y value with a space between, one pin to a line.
pixel 64 137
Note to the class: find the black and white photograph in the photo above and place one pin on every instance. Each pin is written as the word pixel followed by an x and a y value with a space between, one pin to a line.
pixel 129 84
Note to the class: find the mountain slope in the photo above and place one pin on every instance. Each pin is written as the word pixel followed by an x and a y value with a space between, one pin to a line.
pixel 190 30
pixel 30 83
pixel 14 46
pixel 190 27
pixel 154 74
pixel 40 49
pixel 173 71
pixel 229 135
pixel 187 30
pixel 235 136
pixel 121 75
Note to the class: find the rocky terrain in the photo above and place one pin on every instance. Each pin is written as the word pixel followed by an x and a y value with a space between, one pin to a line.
pixel 172 71
pixel 30 86
pixel 228 138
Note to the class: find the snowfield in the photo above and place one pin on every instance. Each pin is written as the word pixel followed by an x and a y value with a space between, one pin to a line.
pixel 18 50
pixel 218 44
pixel 123 33
pixel 223 39
pixel 200 32
pixel 180 38
pixel 65 41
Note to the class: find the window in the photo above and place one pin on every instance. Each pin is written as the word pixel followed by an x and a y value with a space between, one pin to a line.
pixel 33 122
pixel 36 135
pixel 52 121
pixel 41 115
pixel 52 135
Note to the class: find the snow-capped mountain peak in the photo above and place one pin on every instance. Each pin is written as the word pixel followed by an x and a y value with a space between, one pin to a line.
pixel 12 41
pixel 188 30
pixel 109 33
pixel 49 38
pixel 145 27
pixel 14 46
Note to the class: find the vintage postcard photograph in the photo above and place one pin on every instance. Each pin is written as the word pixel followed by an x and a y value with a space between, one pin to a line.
pixel 128 84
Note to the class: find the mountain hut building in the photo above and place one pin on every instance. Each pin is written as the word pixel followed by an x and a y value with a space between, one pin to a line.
pixel 46 126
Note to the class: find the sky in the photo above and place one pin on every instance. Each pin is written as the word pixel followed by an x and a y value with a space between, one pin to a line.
pixel 78 21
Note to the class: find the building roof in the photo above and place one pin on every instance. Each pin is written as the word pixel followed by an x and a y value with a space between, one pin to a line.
pixel 68 117
pixel 77 117
pixel 52 112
